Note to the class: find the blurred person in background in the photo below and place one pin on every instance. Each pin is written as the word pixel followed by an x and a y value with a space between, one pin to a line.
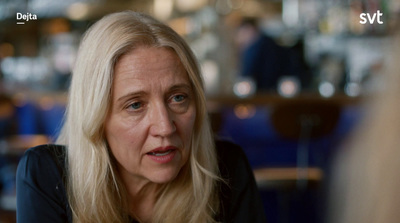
pixel 136 145
pixel 366 179
pixel 261 57
pixel 266 61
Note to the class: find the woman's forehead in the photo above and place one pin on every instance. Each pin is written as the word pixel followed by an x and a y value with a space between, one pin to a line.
pixel 149 66
pixel 147 60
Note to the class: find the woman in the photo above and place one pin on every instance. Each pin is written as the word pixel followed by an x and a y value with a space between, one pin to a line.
pixel 138 144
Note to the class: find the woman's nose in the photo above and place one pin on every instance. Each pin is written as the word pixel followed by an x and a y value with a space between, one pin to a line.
pixel 162 123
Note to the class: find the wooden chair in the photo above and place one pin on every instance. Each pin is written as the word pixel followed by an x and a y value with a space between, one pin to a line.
pixel 301 120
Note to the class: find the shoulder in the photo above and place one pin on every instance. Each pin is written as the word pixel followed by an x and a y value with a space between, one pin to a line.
pixel 224 146
pixel 45 162
pixel 230 154
pixel 41 194
pixel 240 201
pixel 233 164
pixel 48 154
pixel 46 150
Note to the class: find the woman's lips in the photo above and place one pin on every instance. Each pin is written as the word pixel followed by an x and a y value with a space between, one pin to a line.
pixel 160 153
pixel 163 154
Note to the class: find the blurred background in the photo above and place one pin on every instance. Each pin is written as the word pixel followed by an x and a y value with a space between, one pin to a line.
pixel 285 79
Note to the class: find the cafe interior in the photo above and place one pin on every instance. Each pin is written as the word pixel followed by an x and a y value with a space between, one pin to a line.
pixel 318 67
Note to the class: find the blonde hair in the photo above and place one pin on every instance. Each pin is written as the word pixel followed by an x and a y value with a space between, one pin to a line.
pixel 94 189
pixel 366 178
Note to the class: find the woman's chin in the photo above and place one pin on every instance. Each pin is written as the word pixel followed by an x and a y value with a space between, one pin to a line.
pixel 164 176
pixel 164 172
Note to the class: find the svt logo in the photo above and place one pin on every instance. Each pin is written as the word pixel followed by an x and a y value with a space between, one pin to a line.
pixel 371 20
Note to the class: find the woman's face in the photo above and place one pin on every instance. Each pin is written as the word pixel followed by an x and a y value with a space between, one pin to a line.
pixel 152 114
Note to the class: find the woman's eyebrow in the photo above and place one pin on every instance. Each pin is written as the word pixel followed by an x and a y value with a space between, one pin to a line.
pixel 130 95
pixel 184 86
pixel 176 87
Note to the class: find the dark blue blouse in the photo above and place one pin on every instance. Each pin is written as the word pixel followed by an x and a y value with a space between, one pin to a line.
pixel 41 194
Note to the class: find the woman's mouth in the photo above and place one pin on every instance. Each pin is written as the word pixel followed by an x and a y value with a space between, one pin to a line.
pixel 160 153
pixel 163 155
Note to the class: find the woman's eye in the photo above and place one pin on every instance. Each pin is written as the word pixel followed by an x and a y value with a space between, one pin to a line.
pixel 178 98
pixel 135 105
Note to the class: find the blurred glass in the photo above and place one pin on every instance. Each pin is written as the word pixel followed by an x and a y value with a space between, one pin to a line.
pixel 244 87
pixel 289 86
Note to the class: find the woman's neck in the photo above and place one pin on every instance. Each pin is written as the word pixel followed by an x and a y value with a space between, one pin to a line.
pixel 142 195
pixel 141 203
